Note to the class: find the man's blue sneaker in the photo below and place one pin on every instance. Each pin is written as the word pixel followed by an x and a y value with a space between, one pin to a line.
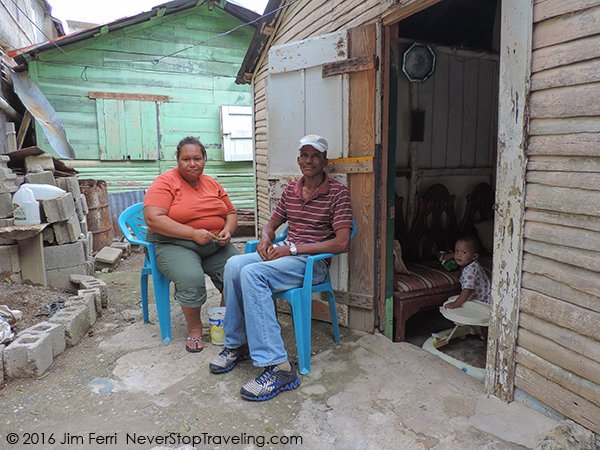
pixel 228 358
pixel 271 382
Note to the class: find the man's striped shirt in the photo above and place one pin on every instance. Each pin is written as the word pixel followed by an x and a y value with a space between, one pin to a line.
pixel 318 218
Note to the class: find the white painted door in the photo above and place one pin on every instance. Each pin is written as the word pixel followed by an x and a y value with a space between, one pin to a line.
pixel 300 101
pixel 236 130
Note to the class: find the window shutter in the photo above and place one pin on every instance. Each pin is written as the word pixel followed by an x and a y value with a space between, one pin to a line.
pixel 236 129
pixel 127 129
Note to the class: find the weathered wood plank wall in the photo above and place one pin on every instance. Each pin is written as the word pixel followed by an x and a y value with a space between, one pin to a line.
pixel 460 132
pixel 558 347
pixel 197 82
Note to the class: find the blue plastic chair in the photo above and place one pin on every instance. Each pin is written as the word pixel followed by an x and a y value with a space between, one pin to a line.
pixel 300 300
pixel 134 228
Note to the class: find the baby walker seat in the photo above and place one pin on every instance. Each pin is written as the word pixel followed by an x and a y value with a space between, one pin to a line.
pixel 468 319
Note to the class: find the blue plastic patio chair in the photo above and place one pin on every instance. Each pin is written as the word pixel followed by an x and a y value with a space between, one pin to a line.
pixel 300 300
pixel 134 228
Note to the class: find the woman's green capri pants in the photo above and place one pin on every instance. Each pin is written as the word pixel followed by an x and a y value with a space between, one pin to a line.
pixel 186 262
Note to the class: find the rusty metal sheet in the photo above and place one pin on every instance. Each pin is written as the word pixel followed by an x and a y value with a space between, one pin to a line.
pixel 45 115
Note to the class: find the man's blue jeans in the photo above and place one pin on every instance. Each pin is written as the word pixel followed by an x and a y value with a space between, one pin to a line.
pixel 250 315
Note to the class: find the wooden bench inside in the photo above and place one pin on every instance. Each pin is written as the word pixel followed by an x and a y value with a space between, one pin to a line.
pixel 427 284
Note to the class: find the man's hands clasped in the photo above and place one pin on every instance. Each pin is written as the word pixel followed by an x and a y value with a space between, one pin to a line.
pixel 269 252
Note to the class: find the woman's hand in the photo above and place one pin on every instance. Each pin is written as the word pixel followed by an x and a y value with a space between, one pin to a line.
pixel 202 237
pixel 224 237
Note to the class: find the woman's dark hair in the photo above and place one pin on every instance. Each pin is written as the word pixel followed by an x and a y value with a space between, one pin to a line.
pixel 190 140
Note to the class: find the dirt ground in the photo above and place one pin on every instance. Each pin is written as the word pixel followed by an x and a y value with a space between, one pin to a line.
pixel 29 299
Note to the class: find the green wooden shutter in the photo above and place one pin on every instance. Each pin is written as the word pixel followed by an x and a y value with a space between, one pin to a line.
pixel 127 129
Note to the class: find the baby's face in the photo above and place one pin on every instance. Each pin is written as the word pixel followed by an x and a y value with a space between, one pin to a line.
pixel 464 253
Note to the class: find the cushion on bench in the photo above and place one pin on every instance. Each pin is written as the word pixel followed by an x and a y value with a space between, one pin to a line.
pixel 425 275
pixel 431 276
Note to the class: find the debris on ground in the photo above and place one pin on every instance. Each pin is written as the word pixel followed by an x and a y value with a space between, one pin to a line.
pixel 28 298
pixel 52 307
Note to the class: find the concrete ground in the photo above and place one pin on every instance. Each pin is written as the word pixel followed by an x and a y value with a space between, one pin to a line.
pixel 123 384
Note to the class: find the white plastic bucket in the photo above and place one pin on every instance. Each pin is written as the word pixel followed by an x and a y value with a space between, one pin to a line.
pixel 26 209
pixel 216 317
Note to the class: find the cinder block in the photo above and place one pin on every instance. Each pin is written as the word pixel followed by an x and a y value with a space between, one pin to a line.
pixel 69 184
pixel 48 235
pixel 60 278
pixel 9 259
pixel 45 177
pixel 124 246
pixel 28 355
pixel 67 255
pixel 99 284
pixel 79 207
pixel 90 266
pixel 84 226
pixel 59 209
pixel 84 204
pixel 89 300
pixel 109 255
pixel 6 207
pixel 7 222
pixel 55 331
pixel 79 279
pixel 76 321
pixel 68 231
pixel 95 293
pixel 38 163
pixel 8 184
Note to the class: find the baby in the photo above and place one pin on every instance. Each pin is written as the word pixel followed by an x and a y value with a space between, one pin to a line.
pixel 474 282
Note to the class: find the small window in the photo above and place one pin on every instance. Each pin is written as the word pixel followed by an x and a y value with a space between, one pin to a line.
pixel 127 125
pixel 236 129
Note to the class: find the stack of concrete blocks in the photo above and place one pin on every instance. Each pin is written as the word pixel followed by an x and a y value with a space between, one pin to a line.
pixel 34 349
pixel 9 252
pixel 67 241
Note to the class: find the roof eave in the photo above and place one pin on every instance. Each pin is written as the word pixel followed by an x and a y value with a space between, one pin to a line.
pixel 264 30
pixel 241 13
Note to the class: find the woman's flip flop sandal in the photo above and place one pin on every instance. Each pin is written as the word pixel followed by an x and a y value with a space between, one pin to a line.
pixel 197 343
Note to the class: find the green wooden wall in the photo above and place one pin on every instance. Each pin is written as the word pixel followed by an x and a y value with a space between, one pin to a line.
pixel 128 143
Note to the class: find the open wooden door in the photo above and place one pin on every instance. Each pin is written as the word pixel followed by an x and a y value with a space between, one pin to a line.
pixel 364 141
pixel 327 85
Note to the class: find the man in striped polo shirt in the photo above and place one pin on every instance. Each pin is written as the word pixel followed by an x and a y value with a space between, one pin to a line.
pixel 319 216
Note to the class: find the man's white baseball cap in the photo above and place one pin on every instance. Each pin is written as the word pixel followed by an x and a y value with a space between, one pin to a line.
pixel 315 141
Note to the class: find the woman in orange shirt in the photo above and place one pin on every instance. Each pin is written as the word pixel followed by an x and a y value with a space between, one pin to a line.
pixel 191 220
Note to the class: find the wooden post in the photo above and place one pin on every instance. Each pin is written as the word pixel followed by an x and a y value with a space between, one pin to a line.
pixel 23 129
pixel 515 72
pixel 31 253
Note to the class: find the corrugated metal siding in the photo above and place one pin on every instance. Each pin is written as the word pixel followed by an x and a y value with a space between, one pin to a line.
pixel 136 175
pixel 198 82
pixel 558 353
